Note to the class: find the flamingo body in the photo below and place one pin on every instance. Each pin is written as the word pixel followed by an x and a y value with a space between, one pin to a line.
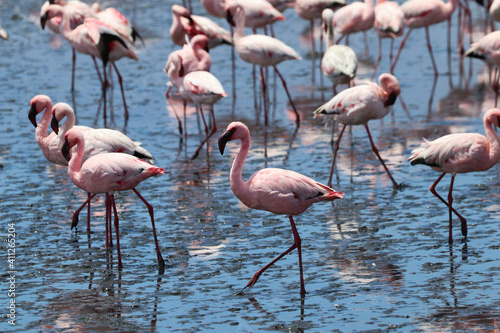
pixel 389 19
pixel 312 9
pixel 422 13
pixel 258 13
pixel 487 48
pixel 264 50
pixel 355 17
pixel 194 55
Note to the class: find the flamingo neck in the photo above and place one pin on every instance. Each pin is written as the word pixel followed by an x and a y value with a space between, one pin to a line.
pixel 237 183
pixel 239 30
pixel 65 26
pixel 67 125
pixel 75 164
pixel 494 140
pixel 43 125
pixel 329 38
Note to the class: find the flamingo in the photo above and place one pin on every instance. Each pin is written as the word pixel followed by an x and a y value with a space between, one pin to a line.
pixel 460 153
pixel 423 13
pixel 487 49
pixel 3 33
pixel 195 57
pixel 258 13
pixel 97 39
pixel 261 50
pixel 109 173
pixel 389 23
pixel 354 17
pixel 358 105
pixel 339 63
pixel 200 87
pixel 274 190
pixel 118 22
pixel 215 8
pixel 185 26
pixel 313 9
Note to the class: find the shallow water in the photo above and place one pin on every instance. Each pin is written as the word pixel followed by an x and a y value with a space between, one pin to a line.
pixel 375 261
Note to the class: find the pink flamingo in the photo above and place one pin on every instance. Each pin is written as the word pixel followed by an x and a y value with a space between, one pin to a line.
pixel 200 87
pixel 215 8
pixel 258 13
pixel 96 39
pixel 77 11
pixel 358 105
pixel 486 49
pixel 389 23
pixel 195 57
pixel 339 63
pixel 117 21
pixel 312 9
pixel 460 153
pixel 355 17
pixel 185 26
pixel 109 173
pixel 423 13
pixel 274 190
pixel 261 50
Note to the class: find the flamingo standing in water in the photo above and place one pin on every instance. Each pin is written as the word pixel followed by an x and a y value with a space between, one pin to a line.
pixel 274 190
pixel 389 23
pixel 423 13
pixel 460 153
pixel 261 50
pixel 339 63
pixel 109 173
pixel 195 57
pixel 97 39
pixel 358 105
pixel 354 17
pixel 200 87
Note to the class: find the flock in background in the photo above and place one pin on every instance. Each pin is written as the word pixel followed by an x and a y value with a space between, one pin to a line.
pixel 106 161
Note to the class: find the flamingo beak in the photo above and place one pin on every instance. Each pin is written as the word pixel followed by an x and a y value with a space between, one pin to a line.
pixel 32 115
pixel 65 150
pixel 229 18
pixel 43 19
pixel 224 139
pixel 54 123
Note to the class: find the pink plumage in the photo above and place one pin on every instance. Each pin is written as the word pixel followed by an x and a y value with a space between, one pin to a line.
pixel 108 173
pixel 355 17
pixel 274 190
pixel 460 153
pixel 360 104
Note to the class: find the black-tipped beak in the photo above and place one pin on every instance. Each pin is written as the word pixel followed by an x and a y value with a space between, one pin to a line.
pixel 229 18
pixel 43 20
pixel 65 150
pixel 224 139
pixel 54 123
pixel 32 115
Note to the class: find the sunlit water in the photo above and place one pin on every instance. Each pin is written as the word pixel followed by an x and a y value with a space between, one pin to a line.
pixel 377 260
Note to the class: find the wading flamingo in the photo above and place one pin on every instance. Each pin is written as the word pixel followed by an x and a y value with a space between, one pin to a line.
pixel 423 13
pixel 258 13
pixel 195 57
pixel 389 23
pixel 200 87
pixel 354 17
pixel 339 63
pixel 460 153
pixel 261 50
pixel 97 39
pixel 358 105
pixel 185 26
pixel 109 173
pixel 274 190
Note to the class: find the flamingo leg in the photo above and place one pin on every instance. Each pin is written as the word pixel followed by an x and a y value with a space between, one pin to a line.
pixel 73 69
pixel 108 219
pixel 337 144
pixel 161 262
pixel 399 51
pixel 167 96
pixel 375 150
pixel 297 119
pixel 296 244
pixel 429 46
pixel 378 58
pixel 89 197
pixel 120 80
pixel 77 212
pixel 104 89
pixel 208 135
pixel 264 89
pixel 117 231
pixel 463 221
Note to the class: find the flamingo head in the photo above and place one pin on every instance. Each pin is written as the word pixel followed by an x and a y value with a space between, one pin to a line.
pixel 234 9
pixel 37 105
pixel 235 130
pixel 50 11
pixel 390 84
pixel 71 139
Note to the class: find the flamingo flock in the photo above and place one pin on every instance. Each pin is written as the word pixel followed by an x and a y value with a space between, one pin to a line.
pixel 106 161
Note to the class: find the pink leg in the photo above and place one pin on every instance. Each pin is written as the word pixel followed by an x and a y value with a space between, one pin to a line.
pixel 429 46
pixel 167 95
pixel 104 91
pixel 375 150
pixel 296 244
pixel 161 262
pixel 73 70
pixel 108 219
pixel 379 57
pixel 89 197
pixel 208 135
pixel 117 231
pixel 297 119
pixel 264 93
pixel 120 80
pixel 399 51
pixel 337 144
pixel 77 212
pixel 463 221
